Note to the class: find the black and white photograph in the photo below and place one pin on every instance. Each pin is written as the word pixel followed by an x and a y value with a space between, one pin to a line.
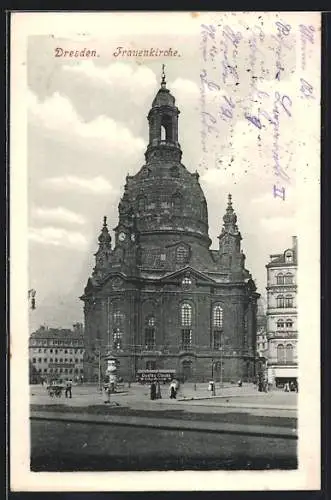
pixel 165 250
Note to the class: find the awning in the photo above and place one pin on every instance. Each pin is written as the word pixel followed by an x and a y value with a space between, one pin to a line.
pixel 285 372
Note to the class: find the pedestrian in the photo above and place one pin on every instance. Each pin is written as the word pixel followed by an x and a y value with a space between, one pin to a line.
pixel 153 390
pixel 173 390
pixel 158 390
pixel 68 389
pixel 240 383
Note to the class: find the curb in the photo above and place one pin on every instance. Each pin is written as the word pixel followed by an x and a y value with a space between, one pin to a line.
pixel 162 424
pixel 248 406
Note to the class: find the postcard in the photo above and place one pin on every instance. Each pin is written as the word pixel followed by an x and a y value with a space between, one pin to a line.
pixel 164 251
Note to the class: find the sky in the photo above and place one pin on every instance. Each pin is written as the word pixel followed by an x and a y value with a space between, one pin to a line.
pixel 87 129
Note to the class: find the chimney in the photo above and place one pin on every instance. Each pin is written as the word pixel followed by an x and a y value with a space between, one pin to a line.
pixel 294 243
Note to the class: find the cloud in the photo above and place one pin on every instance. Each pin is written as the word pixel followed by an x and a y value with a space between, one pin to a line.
pixel 58 237
pixel 214 177
pixel 58 214
pixel 274 224
pixel 57 115
pixel 183 89
pixel 136 81
pixel 94 185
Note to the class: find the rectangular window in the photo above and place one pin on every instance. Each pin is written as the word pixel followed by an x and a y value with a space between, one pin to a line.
pixel 186 338
pixel 150 338
pixel 217 339
pixel 288 301
pixel 33 360
pixel 117 339
pixel 150 365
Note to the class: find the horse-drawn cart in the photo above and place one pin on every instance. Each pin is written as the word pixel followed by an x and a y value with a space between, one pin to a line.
pixel 55 390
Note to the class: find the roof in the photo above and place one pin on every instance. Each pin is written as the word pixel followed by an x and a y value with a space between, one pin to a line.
pixel 58 333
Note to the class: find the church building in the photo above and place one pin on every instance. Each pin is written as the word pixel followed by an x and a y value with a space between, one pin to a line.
pixel 159 297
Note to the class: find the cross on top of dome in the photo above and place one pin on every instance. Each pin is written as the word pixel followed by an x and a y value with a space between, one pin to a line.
pixel 163 81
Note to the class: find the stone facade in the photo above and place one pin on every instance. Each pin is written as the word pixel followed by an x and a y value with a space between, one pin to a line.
pixel 57 353
pixel 160 298
pixel 282 330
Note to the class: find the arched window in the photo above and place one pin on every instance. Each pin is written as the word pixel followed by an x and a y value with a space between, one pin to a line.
pixel 141 203
pixel 280 323
pixel 288 301
pixel 289 353
pixel 166 128
pixel 280 301
pixel 280 279
pixel 289 323
pixel 218 316
pixel 288 279
pixel 150 333
pixel 176 201
pixel 217 326
pixel 117 339
pixel 181 254
pixel 280 353
pixel 186 321
pixel 186 315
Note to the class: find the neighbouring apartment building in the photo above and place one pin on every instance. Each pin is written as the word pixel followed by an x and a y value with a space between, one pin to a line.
pixel 261 337
pixel 57 353
pixel 282 316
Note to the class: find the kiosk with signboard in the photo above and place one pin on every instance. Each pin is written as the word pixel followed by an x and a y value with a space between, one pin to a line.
pixel 148 376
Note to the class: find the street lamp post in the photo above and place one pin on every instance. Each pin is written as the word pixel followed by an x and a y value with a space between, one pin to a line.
pixel 99 371
pixel 221 381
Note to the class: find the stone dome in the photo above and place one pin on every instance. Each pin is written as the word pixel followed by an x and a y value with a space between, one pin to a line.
pixel 166 197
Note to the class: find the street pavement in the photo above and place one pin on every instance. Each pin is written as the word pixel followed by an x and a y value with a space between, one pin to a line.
pixel 239 428
pixel 190 399
pixel 91 446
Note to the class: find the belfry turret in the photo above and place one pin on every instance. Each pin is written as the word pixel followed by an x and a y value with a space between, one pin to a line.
pixel 163 126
